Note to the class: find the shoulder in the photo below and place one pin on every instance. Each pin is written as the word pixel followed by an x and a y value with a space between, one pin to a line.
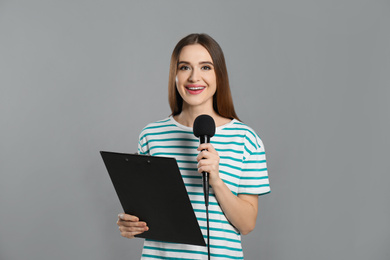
pixel 252 141
pixel 156 126
pixel 246 130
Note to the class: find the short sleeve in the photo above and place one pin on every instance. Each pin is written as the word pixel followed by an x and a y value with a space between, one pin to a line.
pixel 143 144
pixel 254 176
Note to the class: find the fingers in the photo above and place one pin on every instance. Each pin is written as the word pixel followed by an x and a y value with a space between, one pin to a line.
pixel 133 229
pixel 208 158
pixel 209 166
pixel 208 162
pixel 206 146
pixel 209 153
pixel 127 220
pixel 130 226
pixel 130 234
pixel 127 217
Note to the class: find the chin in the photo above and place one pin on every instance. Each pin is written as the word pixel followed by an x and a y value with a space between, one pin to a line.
pixel 194 103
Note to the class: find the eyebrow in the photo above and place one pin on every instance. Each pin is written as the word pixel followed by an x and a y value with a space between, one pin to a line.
pixel 202 62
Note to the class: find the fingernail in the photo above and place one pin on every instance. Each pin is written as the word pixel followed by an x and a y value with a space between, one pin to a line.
pixel 120 216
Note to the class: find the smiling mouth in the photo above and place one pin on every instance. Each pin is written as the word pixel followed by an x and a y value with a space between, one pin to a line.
pixel 194 90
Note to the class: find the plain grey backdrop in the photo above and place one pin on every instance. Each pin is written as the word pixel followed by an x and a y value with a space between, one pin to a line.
pixel 311 77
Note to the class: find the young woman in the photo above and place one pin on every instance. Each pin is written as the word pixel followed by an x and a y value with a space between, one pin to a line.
pixel 235 158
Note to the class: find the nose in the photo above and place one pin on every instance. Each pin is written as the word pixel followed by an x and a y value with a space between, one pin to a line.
pixel 195 76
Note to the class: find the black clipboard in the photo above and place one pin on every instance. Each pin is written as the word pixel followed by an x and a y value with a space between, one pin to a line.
pixel 152 189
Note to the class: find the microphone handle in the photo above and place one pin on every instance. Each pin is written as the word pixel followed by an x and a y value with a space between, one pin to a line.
pixel 206 187
pixel 205 178
pixel 205 139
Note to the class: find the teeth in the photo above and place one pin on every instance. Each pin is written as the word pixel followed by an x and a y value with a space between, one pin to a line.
pixel 198 88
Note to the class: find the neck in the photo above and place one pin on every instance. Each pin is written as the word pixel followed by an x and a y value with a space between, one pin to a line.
pixel 189 114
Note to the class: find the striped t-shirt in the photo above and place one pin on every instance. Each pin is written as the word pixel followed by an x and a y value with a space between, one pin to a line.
pixel 242 167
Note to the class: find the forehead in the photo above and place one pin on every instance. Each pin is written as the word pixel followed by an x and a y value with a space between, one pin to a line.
pixel 194 53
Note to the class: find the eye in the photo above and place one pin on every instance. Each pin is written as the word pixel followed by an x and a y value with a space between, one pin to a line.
pixel 184 67
pixel 206 67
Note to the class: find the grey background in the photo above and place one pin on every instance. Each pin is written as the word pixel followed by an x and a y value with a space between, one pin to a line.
pixel 311 77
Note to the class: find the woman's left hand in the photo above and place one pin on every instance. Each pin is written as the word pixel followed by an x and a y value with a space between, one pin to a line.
pixel 208 161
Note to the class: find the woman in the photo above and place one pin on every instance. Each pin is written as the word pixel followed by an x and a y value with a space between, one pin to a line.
pixel 235 158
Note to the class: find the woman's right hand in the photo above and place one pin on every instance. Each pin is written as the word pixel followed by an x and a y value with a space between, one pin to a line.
pixel 129 225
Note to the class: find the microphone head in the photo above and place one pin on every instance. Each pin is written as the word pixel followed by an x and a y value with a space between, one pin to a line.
pixel 204 125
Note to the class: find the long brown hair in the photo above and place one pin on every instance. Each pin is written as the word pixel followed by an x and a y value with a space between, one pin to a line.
pixel 222 99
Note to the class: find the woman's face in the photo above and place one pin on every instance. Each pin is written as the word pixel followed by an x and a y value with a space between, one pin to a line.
pixel 195 78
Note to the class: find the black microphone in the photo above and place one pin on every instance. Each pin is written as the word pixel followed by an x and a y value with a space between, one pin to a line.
pixel 204 128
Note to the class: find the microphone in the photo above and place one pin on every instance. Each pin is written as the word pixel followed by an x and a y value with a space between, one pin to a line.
pixel 204 129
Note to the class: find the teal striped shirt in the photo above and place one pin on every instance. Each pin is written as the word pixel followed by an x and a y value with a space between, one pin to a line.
pixel 242 167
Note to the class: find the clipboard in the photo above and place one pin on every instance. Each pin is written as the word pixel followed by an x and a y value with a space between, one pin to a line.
pixel 152 189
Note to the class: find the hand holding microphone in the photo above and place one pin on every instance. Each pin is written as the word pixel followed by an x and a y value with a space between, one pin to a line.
pixel 208 159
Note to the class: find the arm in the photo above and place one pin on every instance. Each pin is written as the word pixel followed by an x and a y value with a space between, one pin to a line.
pixel 240 210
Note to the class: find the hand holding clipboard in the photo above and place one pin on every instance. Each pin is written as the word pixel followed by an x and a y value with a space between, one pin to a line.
pixel 130 225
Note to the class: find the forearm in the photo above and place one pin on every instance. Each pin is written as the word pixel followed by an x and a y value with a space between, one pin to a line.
pixel 242 213
pixel 240 210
